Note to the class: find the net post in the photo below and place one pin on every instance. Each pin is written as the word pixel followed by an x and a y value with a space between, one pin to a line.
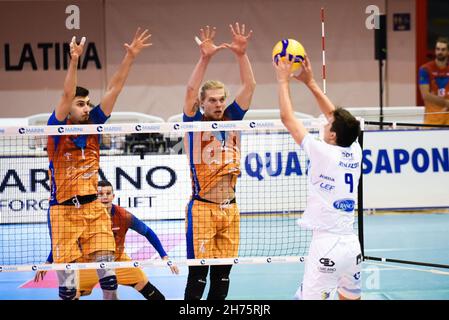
pixel 360 200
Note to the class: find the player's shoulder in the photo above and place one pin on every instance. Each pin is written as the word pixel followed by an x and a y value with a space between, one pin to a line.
pixel 234 112
pixel 356 148
pixel 316 141
pixel 122 216
pixel 318 150
pixel 429 66
pixel 120 210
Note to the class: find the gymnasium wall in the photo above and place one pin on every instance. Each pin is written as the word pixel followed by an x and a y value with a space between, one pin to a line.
pixel 32 34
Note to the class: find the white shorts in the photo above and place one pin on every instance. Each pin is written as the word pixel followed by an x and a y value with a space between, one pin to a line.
pixel 334 263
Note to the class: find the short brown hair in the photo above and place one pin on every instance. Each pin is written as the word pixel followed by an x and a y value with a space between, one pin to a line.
pixel 105 183
pixel 443 40
pixel 81 92
pixel 345 126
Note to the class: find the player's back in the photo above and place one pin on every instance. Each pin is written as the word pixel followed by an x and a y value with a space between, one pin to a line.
pixel 333 176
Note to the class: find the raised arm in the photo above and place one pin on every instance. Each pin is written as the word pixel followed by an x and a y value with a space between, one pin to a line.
pixel 117 81
pixel 207 50
pixel 238 46
pixel 306 76
pixel 293 125
pixel 63 107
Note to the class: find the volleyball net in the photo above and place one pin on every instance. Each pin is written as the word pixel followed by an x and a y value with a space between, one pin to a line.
pixel 406 165
pixel 149 169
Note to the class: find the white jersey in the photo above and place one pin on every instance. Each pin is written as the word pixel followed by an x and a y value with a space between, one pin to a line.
pixel 333 177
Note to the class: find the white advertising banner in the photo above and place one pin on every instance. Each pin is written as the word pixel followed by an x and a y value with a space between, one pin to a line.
pixel 402 169
pixel 406 169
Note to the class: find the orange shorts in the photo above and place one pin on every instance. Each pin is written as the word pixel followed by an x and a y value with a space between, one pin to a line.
pixel 213 230
pixel 125 276
pixel 77 232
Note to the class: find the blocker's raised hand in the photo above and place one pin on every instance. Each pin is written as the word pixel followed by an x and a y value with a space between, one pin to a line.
pixel 206 42
pixel 239 39
pixel 77 49
pixel 139 42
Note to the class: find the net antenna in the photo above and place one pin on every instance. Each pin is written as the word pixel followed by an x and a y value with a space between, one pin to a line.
pixel 323 38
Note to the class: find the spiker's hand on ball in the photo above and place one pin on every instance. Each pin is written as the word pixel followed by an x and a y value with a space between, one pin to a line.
pixel 283 70
pixel 206 42
pixel 289 49
pixel 306 74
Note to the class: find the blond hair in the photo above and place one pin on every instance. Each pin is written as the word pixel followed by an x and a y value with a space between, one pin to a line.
pixel 210 85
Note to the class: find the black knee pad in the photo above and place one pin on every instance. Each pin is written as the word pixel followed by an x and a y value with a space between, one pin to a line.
pixel 67 293
pixel 150 292
pixel 196 282
pixel 219 282
pixel 109 283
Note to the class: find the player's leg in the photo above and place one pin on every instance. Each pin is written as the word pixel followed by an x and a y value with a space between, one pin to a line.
pixel 344 297
pixel 67 284
pixel 200 230
pixel 106 276
pixel 196 282
pixel 87 280
pixel 350 283
pixel 65 230
pixel 227 223
pixel 98 244
pixel 219 282
pixel 136 278
pixel 321 270
pixel 199 238
pixel 149 291
pixel 227 220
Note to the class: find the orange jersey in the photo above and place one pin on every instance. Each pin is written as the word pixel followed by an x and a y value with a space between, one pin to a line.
pixel 74 161
pixel 121 222
pixel 438 80
pixel 213 154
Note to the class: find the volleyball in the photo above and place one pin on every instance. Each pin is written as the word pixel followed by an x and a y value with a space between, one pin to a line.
pixel 289 48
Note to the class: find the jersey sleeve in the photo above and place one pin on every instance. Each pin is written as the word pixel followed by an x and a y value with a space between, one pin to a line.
pixel 423 76
pixel 197 117
pixel 97 115
pixel 141 228
pixel 234 111
pixel 53 121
